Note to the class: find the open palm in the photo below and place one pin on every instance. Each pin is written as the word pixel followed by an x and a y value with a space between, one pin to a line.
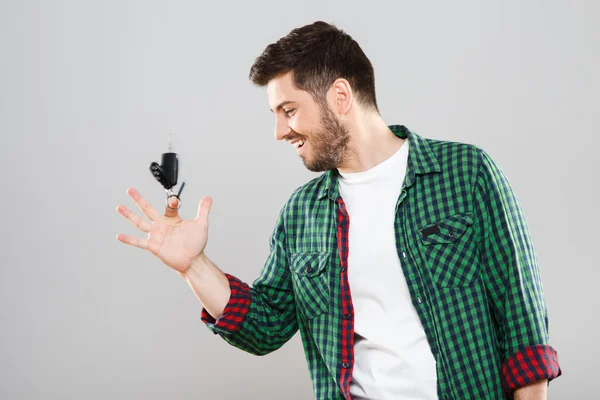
pixel 176 242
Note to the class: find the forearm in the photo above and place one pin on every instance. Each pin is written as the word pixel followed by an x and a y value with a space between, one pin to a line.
pixel 534 391
pixel 257 320
pixel 209 284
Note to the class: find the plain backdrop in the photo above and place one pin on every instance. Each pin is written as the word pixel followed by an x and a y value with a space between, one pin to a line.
pixel 90 90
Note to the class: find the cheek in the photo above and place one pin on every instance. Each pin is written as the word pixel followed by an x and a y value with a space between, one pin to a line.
pixel 302 126
pixel 296 126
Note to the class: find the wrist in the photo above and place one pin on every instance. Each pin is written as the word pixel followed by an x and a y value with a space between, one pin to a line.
pixel 195 266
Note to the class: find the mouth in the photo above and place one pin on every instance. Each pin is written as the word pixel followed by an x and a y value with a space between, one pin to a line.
pixel 298 143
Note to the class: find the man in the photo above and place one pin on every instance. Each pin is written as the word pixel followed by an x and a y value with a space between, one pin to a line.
pixel 407 266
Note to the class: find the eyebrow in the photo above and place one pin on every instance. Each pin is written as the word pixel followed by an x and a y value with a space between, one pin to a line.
pixel 283 103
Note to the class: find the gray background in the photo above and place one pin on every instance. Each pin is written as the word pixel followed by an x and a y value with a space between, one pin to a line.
pixel 89 91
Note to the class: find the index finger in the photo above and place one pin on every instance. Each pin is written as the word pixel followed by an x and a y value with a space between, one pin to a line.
pixel 143 205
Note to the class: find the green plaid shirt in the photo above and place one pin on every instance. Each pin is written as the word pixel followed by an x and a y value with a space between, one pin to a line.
pixel 468 260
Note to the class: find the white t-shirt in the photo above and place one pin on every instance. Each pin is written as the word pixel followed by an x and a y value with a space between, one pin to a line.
pixel 392 358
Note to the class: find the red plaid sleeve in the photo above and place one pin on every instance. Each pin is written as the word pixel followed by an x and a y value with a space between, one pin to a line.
pixel 235 310
pixel 529 365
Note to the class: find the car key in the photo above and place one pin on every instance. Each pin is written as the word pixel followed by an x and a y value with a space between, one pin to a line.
pixel 166 174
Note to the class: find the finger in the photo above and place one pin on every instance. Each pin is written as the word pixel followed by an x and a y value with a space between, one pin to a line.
pixel 137 221
pixel 143 205
pixel 137 242
pixel 204 208
pixel 174 203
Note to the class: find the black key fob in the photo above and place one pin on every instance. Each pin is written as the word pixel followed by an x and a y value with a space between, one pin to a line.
pixel 166 172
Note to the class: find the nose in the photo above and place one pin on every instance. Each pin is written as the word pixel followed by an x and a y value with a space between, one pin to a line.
pixel 281 129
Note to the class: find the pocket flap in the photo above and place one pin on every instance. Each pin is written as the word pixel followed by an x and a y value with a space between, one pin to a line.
pixel 446 230
pixel 309 263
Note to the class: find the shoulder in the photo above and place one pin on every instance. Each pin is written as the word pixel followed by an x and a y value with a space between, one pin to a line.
pixel 448 152
pixel 303 198
pixel 459 158
pixel 308 192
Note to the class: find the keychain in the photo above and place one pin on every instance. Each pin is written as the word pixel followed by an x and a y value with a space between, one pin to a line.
pixel 166 174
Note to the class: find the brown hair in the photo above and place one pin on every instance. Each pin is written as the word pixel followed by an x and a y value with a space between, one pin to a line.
pixel 318 54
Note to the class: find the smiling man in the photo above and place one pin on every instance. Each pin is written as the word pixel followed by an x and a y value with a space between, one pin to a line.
pixel 407 266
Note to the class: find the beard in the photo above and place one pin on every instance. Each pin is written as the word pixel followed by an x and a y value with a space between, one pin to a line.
pixel 330 144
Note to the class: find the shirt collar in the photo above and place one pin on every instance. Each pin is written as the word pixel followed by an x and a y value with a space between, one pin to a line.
pixel 421 160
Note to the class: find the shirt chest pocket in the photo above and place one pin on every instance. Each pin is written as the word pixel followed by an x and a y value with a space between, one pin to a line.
pixel 310 278
pixel 450 250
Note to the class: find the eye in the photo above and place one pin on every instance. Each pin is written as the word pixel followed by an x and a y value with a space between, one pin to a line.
pixel 287 112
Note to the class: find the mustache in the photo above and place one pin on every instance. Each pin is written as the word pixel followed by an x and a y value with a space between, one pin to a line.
pixel 292 138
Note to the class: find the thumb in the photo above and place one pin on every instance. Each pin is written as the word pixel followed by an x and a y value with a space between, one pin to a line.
pixel 204 208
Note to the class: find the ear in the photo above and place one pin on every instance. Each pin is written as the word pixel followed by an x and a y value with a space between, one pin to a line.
pixel 341 96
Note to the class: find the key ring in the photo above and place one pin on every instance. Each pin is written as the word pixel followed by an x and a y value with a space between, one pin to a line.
pixel 178 202
pixel 170 194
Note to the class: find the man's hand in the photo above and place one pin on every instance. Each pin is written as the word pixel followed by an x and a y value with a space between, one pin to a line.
pixel 174 241
pixel 534 391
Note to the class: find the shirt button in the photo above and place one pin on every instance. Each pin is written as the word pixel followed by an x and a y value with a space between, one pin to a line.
pixel 451 233
pixel 419 299
pixel 347 316
pixel 404 254
pixel 345 365
pixel 343 269
pixel 309 269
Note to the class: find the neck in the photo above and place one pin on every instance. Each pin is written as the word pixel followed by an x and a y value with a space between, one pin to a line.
pixel 371 143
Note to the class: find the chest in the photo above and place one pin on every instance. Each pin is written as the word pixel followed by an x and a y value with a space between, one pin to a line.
pixel 431 220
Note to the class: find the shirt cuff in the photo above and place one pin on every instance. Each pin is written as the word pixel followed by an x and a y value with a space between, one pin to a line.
pixel 236 309
pixel 529 365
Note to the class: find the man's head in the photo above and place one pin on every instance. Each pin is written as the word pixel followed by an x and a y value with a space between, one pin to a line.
pixel 316 76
